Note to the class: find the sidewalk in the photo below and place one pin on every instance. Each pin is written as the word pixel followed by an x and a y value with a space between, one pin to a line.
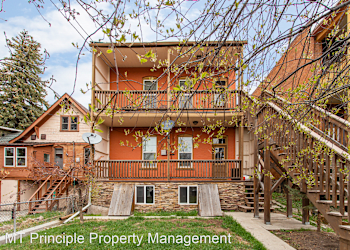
pixel 261 232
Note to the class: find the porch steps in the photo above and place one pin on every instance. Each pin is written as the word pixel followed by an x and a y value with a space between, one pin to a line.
pixel 122 200
pixel 249 199
pixel 209 201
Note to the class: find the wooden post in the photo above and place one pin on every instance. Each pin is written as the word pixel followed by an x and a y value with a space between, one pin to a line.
pixel 305 212
pixel 168 82
pixel 289 201
pixel 267 180
pixel 241 144
pixel 255 174
pixel 168 155
pixel 93 83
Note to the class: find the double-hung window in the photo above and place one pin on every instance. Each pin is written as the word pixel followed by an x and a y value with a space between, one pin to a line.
pixel 185 152
pixel 185 99
pixel 150 96
pixel 149 151
pixel 219 96
pixel 9 157
pixel 188 195
pixel 15 157
pixel 144 194
pixel 69 123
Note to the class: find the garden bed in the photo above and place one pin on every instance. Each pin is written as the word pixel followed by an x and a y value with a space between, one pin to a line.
pixel 310 240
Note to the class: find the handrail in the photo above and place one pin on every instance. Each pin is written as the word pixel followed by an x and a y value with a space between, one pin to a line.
pixel 39 188
pixel 58 185
pixel 333 116
pixel 329 144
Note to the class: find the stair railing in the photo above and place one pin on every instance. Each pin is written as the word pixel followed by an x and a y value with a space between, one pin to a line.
pixel 65 180
pixel 36 192
pixel 326 172
pixel 329 125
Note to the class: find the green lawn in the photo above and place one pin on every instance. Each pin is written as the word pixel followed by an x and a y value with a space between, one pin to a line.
pixel 141 227
pixel 23 222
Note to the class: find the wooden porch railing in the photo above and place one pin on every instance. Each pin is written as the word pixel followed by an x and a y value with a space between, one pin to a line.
pixel 139 100
pixel 178 169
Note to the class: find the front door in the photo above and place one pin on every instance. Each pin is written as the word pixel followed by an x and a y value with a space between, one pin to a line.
pixel 59 157
pixel 219 166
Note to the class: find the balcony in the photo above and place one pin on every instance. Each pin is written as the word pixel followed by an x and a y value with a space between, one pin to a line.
pixel 160 100
pixel 174 170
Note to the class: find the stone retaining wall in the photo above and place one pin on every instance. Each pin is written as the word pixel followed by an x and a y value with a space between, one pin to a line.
pixel 166 195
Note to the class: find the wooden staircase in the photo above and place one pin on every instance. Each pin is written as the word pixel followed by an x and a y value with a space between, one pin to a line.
pixel 58 186
pixel 249 199
pixel 311 159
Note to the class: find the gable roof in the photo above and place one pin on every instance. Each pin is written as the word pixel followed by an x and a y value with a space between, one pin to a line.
pixel 47 114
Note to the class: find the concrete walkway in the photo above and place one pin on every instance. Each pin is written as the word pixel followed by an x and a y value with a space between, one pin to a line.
pixel 261 232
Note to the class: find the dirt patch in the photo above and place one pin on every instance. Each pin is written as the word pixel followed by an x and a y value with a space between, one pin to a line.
pixel 310 240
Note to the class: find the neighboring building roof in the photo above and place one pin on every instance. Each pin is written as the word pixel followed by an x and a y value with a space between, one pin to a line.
pixel 46 115
pixel 10 129
pixel 9 137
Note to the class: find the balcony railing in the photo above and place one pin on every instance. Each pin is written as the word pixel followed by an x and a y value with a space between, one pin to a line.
pixel 139 100
pixel 173 170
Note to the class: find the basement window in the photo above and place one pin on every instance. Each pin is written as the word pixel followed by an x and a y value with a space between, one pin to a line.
pixel 188 195
pixel 144 194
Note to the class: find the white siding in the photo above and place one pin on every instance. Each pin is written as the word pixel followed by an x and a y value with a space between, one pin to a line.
pixel 53 125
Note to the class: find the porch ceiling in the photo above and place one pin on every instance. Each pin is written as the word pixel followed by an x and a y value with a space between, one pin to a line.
pixel 150 119
pixel 126 56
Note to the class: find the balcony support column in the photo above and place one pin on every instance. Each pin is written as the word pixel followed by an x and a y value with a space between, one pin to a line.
pixel 93 82
pixel 168 82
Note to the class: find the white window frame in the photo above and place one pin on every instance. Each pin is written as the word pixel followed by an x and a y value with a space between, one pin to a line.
pixel 178 151
pixel 149 99
pixel 144 195
pixel 185 99
pixel 25 157
pixel 220 98
pixel 188 195
pixel 154 165
pixel 14 157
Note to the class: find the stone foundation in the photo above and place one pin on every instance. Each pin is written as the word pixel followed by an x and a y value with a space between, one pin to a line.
pixel 166 195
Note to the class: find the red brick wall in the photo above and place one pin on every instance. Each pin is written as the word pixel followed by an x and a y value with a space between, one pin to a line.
pixel 302 48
